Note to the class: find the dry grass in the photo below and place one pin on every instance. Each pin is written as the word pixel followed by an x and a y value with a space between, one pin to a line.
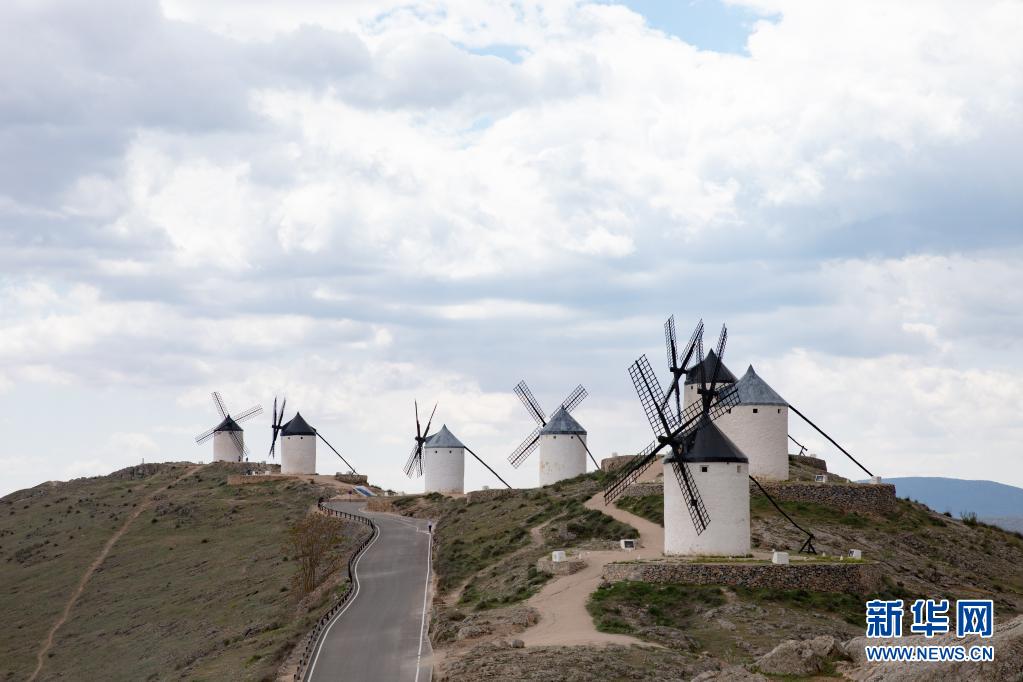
pixel 198 588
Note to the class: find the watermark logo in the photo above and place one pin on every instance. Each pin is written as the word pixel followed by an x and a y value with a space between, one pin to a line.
pixel 930 617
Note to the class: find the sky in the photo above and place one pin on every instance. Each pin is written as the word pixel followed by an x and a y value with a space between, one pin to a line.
pixel 362 204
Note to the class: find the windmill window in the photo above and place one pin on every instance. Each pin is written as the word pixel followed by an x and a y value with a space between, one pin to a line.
pixel 738 468
pixel 779 410
pixel 703 470
pixel 754 410
pixel 729 410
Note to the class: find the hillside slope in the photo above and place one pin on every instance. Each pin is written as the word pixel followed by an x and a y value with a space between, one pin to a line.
pixel 996 503
pixel 485 579
pixel 198 587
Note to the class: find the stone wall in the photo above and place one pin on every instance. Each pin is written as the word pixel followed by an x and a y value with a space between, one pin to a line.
pixel 643 489
pixel 567 567
pixel 352 479
pixel 815 462
pixel 855 577
pixel 612 463
pixel 862 497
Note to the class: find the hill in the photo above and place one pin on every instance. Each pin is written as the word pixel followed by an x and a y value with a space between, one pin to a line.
pixel 198 586
pixel 487 581
pixel 995 503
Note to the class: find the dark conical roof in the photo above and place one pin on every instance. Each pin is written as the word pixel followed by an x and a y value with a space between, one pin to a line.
pixel 443 439
pixel 725 376
pixel 228 425
pixel 754 391
pixel 562 422
pixel 298 427
pixel 712 445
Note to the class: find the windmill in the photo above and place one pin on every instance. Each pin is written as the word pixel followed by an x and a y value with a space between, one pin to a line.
pixel 228 438
pixel 298 443
pixel 696 441
pixel 561 438
pixel 442 458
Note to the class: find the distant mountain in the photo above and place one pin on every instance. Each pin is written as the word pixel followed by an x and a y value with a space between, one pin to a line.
pixel 992 502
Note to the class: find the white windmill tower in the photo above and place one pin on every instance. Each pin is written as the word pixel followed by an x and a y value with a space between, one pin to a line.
pixel 562 440
pixel 703 462
pixel 444 463
pixel 759 426
pixel 228 438
pixel 298 443
pixel 441 457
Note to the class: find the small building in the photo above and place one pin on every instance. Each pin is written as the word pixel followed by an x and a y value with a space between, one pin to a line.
pixel 298 447
pixel 228 441
pixel 562 448
pixel 759 427
pixel 444 463
pixel 721 474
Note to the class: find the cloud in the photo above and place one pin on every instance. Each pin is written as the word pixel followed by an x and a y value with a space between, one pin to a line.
pixel 366 203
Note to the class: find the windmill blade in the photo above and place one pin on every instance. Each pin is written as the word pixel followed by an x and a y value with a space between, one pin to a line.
pixel 694 502
pixel 523 451
pixel 651 397
pixel 249 413
pixel 236 437
pixel 273 444
pixel 205 435
pixel 280 417
pixel 414 464
pixel 419 433
pixel 273 417
pixel 574 398
pixel 427 432
pixel 336 452
pixel 218 402
pixel 629 473
pixel 722 340
pixel 669 343
pixel 691 346
pixel 678 370
pixel 530 403
pixel 701 371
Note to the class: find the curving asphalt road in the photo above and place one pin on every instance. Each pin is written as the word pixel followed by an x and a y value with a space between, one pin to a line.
pixel 381 635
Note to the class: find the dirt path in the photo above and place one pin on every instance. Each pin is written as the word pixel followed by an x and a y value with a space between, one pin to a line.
pixel 561 603
pixel 97 562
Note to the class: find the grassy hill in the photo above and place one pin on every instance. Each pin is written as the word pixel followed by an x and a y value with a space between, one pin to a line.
pixel 197 588
pixel 995 503
pixel 485 551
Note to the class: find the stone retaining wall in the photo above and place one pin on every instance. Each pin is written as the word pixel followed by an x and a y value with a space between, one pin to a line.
pixel 862 497
pixel 859 578
pixel 352 479
pixel 612 463
pixel 567 567
pixel 815 462
pixel 643 489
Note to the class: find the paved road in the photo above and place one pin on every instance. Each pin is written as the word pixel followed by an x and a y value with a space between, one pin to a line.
pixel 381 635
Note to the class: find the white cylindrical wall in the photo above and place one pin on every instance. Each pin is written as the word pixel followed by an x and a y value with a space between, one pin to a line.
pixel 761 432
pixel 225 449
pixel 298 454
pixel 724 488
pixel 444 470
pixel 690 394
pixel 562 455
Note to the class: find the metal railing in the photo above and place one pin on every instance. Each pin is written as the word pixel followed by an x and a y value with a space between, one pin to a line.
pixel 313 638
